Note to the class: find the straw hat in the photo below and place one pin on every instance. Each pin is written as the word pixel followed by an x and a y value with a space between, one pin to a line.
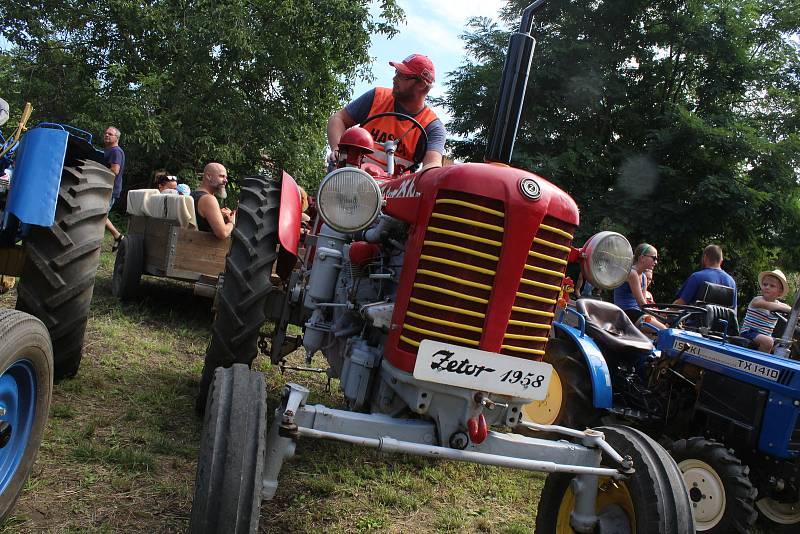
pixel 777 273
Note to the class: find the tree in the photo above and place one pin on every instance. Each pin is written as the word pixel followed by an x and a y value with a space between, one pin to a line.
pixel 673 122
pixel 192 81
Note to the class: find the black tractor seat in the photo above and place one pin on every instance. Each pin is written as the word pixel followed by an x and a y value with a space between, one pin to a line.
pixel 721 321
pixel 610 328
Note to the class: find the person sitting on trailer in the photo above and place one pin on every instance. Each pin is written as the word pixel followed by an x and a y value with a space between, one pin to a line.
pixel 210 217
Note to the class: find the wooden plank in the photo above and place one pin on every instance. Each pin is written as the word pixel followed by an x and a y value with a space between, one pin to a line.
pixel 199 252
pixel 11 260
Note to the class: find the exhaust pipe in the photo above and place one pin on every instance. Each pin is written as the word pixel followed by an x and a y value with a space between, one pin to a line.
pixel 513 83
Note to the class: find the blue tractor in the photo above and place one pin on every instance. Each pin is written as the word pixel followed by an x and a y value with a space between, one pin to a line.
pixel 729 414
pixel 54 195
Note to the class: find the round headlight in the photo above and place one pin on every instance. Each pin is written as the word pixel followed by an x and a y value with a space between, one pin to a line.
pixel 349 199
pixel 607 260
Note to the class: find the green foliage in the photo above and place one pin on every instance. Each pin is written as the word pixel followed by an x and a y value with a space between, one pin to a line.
pixel 193 81
pixel 672 122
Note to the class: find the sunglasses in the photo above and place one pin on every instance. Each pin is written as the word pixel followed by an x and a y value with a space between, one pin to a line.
pixel 402 76
pixel 655 258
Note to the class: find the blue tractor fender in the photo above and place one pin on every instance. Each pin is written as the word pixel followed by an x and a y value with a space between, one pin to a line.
pixel 595 362
pixel 37 176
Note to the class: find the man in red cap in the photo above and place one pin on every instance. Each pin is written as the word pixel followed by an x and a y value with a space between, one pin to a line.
pixel 412 81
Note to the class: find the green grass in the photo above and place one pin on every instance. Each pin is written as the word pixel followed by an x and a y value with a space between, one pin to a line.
pixel 120 448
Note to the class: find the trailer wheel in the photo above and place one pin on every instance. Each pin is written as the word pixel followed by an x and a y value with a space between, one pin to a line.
pixel 227 495
pixel 719 487
pixel 240 302
pixel 26 386
pixel 61 261
pixel 779 517
pixel 128 267
pixel 652 500
pixel 569 396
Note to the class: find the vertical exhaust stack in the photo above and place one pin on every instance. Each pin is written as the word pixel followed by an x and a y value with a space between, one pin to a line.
pixel 513 83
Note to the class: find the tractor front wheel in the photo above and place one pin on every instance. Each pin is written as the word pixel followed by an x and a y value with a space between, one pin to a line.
pixel 227 495
pixel 719 488
pixel 779 517
pixel 26 386
pixel 652 500
pixel 240 302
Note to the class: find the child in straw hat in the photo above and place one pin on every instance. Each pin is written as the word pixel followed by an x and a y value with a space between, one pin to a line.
pixel 760 319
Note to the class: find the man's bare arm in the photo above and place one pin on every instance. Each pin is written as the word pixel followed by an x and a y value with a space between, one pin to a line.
pixel 208 208
pixel 114 167
pixel 431 159
pixel 337 124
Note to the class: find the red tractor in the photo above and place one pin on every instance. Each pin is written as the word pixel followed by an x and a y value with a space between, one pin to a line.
pixel 431 296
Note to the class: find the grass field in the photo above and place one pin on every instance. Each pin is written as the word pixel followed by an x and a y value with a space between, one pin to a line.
pixel 120 449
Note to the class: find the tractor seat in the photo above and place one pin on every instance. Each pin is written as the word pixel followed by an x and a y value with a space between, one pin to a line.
pixel 715 314
pixel 608 325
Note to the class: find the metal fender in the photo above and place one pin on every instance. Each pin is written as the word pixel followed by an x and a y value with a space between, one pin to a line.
pixel 289 216
pixel 598 370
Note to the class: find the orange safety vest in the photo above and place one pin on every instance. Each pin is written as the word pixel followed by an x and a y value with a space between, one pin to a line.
pixel 386 128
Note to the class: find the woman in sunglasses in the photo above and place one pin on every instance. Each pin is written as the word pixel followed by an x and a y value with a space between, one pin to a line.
pixel 630 296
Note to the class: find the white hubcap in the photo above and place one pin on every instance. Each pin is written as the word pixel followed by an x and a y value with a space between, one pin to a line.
pixel 706 493
pixel 783 513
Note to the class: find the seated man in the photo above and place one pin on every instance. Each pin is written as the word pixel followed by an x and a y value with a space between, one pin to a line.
pixel 711 272
pixel 210 217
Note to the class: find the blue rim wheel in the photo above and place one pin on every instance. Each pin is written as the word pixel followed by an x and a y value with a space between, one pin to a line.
pixel 18 386
pixel 26 387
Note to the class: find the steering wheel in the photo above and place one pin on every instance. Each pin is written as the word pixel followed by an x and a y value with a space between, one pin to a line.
pixel 414 125
pixel 673 314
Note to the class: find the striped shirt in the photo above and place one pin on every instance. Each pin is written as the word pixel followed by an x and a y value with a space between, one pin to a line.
pixel 759 319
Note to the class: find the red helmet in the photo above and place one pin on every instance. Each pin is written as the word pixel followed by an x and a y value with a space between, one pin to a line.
pixel 357 137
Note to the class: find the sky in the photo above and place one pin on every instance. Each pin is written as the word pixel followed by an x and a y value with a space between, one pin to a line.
pixel 431 28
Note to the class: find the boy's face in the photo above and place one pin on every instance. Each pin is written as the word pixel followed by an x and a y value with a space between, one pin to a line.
pixel 771 287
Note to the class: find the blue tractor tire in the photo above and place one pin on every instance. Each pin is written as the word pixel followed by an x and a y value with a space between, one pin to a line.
pixel 26 387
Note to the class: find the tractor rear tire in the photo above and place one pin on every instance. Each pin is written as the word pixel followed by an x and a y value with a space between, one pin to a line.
pixel 227 496
pixel 569 396
pixel 61 262
pixel 240 302
pixel 653 500
pixel 723 498
pixel 128 267
pixel 26 387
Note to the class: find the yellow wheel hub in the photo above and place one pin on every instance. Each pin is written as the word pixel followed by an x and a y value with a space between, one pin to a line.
pixel 545 412
pixel 610 493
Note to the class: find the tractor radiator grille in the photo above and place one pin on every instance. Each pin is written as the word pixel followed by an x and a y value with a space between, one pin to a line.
pixel 539 288
pixel 456 271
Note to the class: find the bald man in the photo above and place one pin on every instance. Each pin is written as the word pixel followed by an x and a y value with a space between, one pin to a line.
pixel 210 218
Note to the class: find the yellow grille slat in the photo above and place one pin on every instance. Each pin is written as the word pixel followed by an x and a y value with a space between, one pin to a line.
pixel 529 325
pixel 522 349
pixel 467 222
pixel 465 250
pixel 546 243
pixel 452 263
pixel 527 338
pixel 544 271
pixel 536 298
pixel 439 334
pixel 448 308
pixel 410 341
pixel 465 236
pixel 534 283
pixel 556 231
pixel 443 322
pixel 533 312
pixel 547 258
pixel 451 293
pixel 469 205
pixel 454 279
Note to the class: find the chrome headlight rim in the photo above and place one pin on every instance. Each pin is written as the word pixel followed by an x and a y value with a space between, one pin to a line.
pixel 367 179
pixel 594 246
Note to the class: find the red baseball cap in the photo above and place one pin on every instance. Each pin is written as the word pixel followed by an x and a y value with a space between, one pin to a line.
pixel 416 65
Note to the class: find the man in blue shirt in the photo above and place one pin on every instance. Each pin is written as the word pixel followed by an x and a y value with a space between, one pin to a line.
pixel 114 160
pixel 711 272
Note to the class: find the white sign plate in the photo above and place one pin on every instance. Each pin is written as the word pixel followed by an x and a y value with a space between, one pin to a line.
pixel 481 370
pixel 733 362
